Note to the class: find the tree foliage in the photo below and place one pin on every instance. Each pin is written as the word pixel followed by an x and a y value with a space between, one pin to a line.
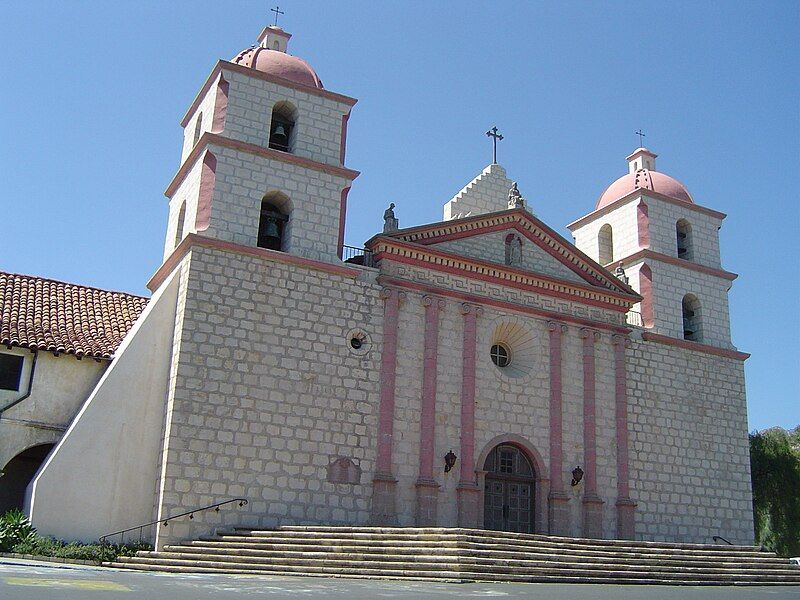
pixel 775 468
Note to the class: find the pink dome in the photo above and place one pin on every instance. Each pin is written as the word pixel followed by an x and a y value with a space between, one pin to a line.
pixel 644 179
pixel 279 64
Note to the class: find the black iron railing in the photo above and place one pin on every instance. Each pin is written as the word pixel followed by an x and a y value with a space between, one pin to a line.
pixel 719 538
pixel 357 256
pixel 634 318
pixel 165 522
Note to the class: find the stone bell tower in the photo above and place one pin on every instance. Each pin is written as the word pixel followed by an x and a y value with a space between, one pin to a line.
pixel 263 156
pixel 668 245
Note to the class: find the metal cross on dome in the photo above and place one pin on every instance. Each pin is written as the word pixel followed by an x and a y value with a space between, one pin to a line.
pixel 277 10
pixel 641 135
pixel 492 133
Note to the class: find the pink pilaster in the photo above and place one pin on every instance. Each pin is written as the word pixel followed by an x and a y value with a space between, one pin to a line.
pixel 626 524
pixel 592 503
pixel 646 291
pixel 558 509
pixel 468 490
pixel 643 224
pixel 384 510
pixel 427 486
pixel 220 106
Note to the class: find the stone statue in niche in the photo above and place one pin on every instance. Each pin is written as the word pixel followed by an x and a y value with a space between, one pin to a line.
pixel 344 470
pixel 515 199
pixel 513 250
pixel 390 222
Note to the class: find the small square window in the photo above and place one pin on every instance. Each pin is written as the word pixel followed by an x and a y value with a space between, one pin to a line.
pixel 10 371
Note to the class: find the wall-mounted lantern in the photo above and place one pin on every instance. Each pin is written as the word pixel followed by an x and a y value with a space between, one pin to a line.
pixel 449 461
pixel 577 475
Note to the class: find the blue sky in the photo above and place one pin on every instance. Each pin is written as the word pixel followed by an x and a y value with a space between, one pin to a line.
pixel 93 91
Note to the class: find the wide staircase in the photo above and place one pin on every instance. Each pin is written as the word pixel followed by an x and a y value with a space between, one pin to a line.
pixel 464 555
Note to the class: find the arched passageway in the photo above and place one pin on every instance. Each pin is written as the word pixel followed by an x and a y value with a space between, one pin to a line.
pixel 18 473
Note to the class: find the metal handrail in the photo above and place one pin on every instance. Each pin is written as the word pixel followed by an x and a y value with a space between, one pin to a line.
pixel 165 522
pixel 358 256
pixel 717 538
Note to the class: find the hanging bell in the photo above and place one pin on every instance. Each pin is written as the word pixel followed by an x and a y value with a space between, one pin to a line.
pixel 272 230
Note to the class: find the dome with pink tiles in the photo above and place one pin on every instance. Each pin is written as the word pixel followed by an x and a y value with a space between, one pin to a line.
pixel 643 176
pixel 270 56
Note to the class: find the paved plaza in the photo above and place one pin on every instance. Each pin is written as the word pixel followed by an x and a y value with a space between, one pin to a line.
pixel 29 580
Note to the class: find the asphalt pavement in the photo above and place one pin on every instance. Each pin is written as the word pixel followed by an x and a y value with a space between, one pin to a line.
pixel 34 580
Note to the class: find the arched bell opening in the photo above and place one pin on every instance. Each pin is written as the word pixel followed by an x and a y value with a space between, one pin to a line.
pixel 17 475
pixel 683 235
pixel 605 245
pixel 692 318
pixel 274 222
pixel 282 127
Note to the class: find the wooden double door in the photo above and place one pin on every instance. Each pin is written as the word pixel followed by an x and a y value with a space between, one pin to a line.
pixel 509 491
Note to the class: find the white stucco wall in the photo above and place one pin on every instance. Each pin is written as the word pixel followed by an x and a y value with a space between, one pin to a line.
pixel 100 477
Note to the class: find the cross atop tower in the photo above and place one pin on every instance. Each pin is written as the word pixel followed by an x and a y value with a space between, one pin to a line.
pixel 492 133
pixel 277 10
pixel 641 135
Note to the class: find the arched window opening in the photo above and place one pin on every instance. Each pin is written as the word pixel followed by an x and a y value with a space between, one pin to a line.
pixel 273 225
pixel 198 128
pixel 179 225
pixel 605 243
pixel 683 231
pixel 692 323
pixel 282 127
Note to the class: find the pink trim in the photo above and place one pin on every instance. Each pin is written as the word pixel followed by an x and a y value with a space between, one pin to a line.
pixel 589 411
pixel 565 252
pixel 621 414
pixel 679 262
pixel 643 224
pixel 208 175
pixel 412 285
pixel 229 66
pixel 635 194
pixel 193 239
pixel 669 341
pixel 646 291
pixel 429 367
pixel 556 330
pixel 521 443
pixel 499 280
pixel 342 220
pixel 383 466
pixel 468 354
pixel 212 138
pixel 220 106
pixel 343 140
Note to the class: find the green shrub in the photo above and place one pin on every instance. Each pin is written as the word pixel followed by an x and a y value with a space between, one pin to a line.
pixel 15 529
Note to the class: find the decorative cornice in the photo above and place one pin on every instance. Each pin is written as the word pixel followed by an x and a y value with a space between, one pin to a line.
pixel 636 194
pixel 696 346
pixel 391 249
pixel 194 240
pixel 525 223
pixel 229 66
pixel 209 138
pixel 678 262
pixel 466 299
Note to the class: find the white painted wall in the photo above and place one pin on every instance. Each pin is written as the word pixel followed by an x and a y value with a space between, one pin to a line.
pixel 101 476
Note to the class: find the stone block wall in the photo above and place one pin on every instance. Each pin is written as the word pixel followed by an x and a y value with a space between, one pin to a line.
pixel 664 217
pixel 689 449
pixel 623 226
pixel 206 109
pixel 185 196
pixel 487 193
pixel 268 393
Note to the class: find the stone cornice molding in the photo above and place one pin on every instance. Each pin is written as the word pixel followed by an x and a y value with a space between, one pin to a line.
pixel 696 346
pixel 438 260
pixel 224 65
pixel 521 221
pixel 194 240
pixel 636 194
pixel 678 262
pixel 216 139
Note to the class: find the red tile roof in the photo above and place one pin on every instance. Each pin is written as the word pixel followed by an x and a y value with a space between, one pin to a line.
pixel 44 314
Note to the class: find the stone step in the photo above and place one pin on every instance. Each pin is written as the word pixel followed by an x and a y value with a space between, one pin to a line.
pixel 291 550
pixel 542 542
pixel 434 571
pixel 489 563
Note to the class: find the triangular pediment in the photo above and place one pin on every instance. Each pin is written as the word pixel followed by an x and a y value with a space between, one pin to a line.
pixel 482 238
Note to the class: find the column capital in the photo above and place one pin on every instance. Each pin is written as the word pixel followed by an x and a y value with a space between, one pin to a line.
pixel 467 308
pixel 428 300
pixel 590 334
pixel 556 326
pixel 621 340
pixel 388 292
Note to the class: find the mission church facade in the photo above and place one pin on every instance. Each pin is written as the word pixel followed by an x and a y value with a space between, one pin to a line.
pixel 478 372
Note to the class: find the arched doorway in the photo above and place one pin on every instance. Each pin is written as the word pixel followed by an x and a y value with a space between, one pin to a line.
pixel 18 473
pixel 509 490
